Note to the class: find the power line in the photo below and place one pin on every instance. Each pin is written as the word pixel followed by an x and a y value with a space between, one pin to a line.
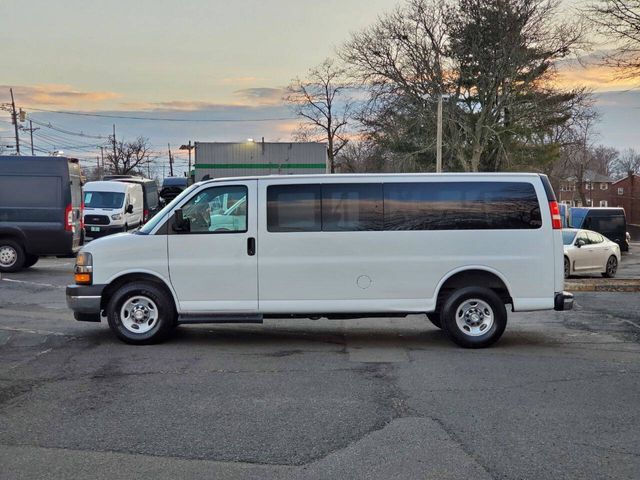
pixel 68 132
pixel 163 119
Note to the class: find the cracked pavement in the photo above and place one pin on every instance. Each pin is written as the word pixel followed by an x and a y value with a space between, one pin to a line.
pixel 557 397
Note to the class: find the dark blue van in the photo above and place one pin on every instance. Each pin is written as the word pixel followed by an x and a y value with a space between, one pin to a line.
pixel 610 222
pixel 40 209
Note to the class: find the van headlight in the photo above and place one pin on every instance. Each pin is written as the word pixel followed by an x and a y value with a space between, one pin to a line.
pixel 116 216
pixel 83 271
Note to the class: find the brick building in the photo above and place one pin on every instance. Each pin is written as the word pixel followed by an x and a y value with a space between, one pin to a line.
pixel 625 193
pixel 595 187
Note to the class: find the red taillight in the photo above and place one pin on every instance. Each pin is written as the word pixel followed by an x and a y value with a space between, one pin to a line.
pixel 556 219
pixel 82 215
pixel 68 215
pixel 146 216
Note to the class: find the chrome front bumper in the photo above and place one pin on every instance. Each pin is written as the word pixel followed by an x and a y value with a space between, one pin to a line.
pixel 84 299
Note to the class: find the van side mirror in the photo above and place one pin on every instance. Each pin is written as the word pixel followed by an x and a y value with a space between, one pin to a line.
pixel 180 224
pixel 129 208
pixel 580 243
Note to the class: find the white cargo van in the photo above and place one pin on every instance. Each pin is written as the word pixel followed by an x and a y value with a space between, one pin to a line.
pixel 112 207
pixel 457 247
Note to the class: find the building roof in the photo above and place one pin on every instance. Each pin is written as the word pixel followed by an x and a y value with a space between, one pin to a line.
pixel 591 176
pixel 625 177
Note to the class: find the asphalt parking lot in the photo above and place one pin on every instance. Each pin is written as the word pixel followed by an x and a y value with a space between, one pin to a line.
pixel 558 397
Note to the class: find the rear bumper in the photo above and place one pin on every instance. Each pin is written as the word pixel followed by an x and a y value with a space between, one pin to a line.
pixel 84 300
pixel 563 301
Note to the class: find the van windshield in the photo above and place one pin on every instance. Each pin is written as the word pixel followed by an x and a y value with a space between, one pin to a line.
pixel 103 199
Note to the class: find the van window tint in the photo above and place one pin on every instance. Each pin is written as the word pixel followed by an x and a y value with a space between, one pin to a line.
pixel 350 207
pixel 293 208
pixel 607 224
pixel 19 191
pixel 460 206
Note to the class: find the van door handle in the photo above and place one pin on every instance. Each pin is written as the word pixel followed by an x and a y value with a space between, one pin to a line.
pixel 251 246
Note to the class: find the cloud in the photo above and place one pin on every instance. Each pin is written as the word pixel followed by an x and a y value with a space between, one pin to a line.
pixel 589 71
pixel 56 95
pixel 260 96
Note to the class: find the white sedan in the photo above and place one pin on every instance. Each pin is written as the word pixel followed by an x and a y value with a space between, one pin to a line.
pixel 586 252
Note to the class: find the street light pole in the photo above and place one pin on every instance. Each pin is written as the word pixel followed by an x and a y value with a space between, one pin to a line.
pixel 439 136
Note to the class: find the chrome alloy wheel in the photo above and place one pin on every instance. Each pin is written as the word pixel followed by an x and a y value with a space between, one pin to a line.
pixel 8 256
pixel 612 266
pixel 139 314
pixel 474 317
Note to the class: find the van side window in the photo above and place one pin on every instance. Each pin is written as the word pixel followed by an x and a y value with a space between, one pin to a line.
pixel 206 211
pixel 351 207
pixel 293 208
pixel 461 206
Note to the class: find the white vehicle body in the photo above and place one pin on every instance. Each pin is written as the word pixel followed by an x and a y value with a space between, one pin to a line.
pixel 244 263
pixel 590 252
pixel 112 207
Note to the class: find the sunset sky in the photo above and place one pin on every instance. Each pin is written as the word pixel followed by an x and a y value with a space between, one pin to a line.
pixel 200 59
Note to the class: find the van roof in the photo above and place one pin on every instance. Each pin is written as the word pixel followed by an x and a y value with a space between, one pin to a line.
pixel 377 175
pixel 108 186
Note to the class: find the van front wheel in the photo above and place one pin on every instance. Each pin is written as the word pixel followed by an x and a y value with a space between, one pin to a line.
pixel 474 317
pixel 434 317
pixel 140 313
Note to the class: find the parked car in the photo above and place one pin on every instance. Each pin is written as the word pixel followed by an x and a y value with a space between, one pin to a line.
pixel 610 222
pixel 149 195
pixel 457 247
pixel 586 251
pixel 112 207
pixel 40 209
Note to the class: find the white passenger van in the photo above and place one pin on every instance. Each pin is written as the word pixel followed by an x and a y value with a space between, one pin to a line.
pixel 456 247
pixel 112 207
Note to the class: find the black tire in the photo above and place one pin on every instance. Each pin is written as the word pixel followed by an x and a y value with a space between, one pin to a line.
pixel 611 267
pixel 165 313
pixel 12 256
pixel 31 260
pixel 434 317
pixel 567 268
pixel 485 308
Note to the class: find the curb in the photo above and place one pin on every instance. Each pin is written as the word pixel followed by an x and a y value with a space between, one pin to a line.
pixel 604 285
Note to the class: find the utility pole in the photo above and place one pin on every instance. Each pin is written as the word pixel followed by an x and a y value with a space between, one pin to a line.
pixel 170 161
pixel 14 119
pixel 102 156
pixel 31 129
pixel 439 136
pixel 189 170
pixel 115 154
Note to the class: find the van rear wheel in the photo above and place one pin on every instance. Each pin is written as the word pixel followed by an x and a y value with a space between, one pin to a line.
pixel 474 317
pixel 140 313
pixel 12 256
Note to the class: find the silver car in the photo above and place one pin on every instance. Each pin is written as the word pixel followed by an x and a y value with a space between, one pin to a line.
pixel 586 251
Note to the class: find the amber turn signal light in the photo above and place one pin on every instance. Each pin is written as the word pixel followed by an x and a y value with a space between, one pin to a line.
pixel 83 278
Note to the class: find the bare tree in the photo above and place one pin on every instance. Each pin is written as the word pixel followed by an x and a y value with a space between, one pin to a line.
pixel 322 100
pixel 129 157
pixel 627 164
pixel 619 20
